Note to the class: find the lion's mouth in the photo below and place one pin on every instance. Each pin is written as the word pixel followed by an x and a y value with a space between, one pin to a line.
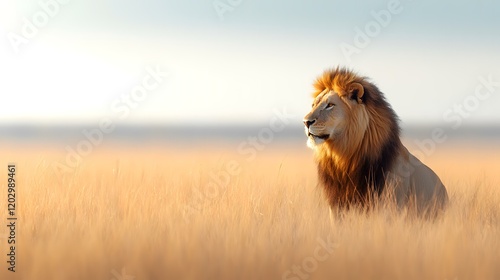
pixel 323 137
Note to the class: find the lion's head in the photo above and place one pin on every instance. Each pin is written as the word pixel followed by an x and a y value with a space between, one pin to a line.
pixel 332 112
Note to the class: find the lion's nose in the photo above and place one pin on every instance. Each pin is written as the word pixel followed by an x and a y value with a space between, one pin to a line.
pixel 308 122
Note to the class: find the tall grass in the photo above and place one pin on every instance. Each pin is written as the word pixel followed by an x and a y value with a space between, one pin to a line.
pixel 154 213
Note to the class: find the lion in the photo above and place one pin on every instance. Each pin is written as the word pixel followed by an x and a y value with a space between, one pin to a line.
pixel 354 133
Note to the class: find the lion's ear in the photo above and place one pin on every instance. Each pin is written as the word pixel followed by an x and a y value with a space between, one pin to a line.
pixel 356 92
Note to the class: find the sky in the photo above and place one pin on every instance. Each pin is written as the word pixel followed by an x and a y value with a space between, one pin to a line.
pixel 240 61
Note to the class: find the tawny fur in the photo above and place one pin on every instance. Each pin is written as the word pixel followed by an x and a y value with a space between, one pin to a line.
pixel 358 162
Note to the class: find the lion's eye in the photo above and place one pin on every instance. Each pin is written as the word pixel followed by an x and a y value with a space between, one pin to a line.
pixel 330 105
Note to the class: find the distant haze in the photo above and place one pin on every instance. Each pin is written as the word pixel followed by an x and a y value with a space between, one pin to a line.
pixel 437 62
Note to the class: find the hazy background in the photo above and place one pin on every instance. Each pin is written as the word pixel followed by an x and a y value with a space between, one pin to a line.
pixel 236 67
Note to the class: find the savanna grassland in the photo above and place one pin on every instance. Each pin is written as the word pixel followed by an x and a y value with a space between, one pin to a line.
pixel 208 212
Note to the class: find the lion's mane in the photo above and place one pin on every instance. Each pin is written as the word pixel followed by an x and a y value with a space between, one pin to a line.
pixel 354 167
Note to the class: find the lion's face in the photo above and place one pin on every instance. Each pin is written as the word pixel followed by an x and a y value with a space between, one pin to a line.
pixel 326 120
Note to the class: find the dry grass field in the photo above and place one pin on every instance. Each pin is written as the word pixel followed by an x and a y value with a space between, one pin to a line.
pixel 203 212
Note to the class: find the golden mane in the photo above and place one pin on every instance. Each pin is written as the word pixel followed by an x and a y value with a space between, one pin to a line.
pixel 356 164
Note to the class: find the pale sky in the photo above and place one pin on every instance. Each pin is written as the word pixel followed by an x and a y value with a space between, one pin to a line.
pixel 238 65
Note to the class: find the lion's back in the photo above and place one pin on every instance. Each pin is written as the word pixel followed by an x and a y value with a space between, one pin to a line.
pixel 418 184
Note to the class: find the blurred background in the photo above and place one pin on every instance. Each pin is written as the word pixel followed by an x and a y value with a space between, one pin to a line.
pixel 197 69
